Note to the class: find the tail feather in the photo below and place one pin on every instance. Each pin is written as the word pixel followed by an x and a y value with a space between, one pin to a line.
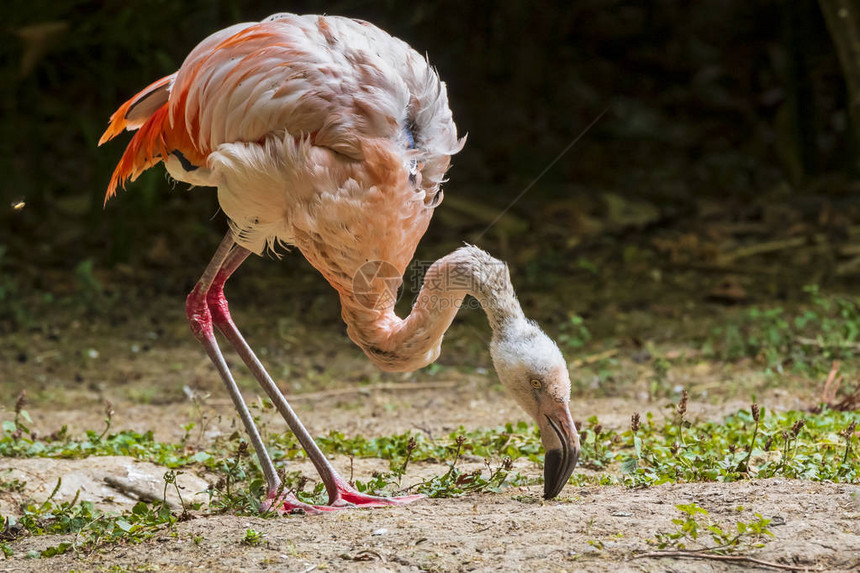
pixel 147 112
pixel 134 113
pixel 146 148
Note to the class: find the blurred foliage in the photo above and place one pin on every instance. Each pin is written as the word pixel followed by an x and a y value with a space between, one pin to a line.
pixel 808 341
pixel 724 95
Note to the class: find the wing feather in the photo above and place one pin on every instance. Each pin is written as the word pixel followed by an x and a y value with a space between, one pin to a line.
pixel 335 81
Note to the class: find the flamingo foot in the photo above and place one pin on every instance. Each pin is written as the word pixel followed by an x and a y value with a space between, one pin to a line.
pixel 347 498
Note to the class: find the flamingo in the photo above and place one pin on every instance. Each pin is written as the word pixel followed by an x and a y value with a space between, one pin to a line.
pixel 329 135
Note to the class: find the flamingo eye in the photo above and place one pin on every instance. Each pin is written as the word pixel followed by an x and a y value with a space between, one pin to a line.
pixel 536 384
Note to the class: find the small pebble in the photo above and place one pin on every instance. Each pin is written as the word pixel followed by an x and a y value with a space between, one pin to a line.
pixel 380 531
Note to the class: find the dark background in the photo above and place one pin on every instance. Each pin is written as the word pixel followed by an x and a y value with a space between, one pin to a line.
pixel 714 108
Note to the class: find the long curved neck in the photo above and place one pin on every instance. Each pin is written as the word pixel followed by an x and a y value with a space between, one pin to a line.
pixel 397 344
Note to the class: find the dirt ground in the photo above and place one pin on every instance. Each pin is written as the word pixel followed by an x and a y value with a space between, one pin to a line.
pixel 592 529
pixel 586 529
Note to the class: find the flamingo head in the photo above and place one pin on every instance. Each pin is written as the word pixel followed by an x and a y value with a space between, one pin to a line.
pixel 533 370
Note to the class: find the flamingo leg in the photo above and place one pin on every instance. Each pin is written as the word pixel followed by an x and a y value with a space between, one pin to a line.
pixel 341 494
pixel 200 320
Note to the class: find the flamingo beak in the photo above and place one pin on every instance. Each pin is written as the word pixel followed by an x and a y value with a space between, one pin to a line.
pixel 561 443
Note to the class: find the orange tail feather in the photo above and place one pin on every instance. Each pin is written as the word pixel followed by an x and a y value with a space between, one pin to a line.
pixel 134 113
pixel 146 148
pixel 147 110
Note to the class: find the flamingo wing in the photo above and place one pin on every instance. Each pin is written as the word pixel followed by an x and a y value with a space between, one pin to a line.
pixel 335 80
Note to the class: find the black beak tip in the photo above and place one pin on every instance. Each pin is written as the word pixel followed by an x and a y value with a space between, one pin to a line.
pixel 558 467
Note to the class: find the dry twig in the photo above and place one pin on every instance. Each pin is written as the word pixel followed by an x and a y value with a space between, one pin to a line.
pixel 828 393
pixel 595 358
pixel 819 344
pixel 731 558
pixel 761 249
pixel 831 386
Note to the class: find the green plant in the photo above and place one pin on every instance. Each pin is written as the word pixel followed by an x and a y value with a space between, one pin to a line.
pixel 724 539
pixel 631 464
pixel 108 418
pixel 808 340
pixel 240 483
pixel 455 482
pixel 688 527
pixel 848 435
pixel 252 537
pixel 744 466
pixel 12 485
pixel 813 446
pixel 92 527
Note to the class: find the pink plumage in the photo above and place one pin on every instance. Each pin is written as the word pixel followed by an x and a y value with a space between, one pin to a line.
pixel 314 101
pixel 330 135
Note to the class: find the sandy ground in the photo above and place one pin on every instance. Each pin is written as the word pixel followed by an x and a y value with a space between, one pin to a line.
pixel 591 529
pixel 69 375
